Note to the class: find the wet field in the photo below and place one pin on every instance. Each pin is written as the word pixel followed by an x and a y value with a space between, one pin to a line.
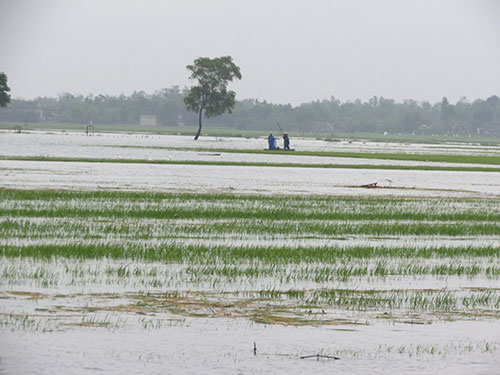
pixel 129 268
pixel 231 178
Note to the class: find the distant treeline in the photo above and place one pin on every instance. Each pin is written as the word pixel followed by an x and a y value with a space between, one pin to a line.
pixel 376 115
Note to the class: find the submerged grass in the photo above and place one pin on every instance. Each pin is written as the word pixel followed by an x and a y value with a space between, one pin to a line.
pixel 156 226
pixel 130 205
pixel 248 229
pixel 175 253
pixel 281 165
pixel 299 308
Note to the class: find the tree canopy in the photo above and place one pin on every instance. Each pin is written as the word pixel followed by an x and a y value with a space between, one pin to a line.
pixel 4 89
pixel 377 115
pixel 210 96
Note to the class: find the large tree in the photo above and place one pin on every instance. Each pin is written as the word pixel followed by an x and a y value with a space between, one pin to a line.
pixel 4 89
pixel 210 96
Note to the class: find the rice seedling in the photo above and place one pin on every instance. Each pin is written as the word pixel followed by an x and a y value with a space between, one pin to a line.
pixel 262 258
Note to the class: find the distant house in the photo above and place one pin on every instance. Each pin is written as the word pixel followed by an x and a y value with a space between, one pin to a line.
pixel 148 120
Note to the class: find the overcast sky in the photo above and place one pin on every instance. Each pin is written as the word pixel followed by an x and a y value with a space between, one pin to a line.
pixel 289 51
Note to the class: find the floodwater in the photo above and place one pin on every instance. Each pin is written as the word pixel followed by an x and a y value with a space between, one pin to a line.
pixel 47 142
pixel 225 346
pixel 235 179
pixel 158 147
pixel 60 330
pixel 244 180
pixel 67 329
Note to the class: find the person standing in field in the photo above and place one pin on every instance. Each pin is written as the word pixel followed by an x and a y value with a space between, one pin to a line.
pixel 286 141
pixel 272 142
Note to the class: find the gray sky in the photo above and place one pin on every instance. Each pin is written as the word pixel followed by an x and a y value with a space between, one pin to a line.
pixel 289 51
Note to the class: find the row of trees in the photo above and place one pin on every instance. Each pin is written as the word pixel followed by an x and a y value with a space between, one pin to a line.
pixel 376 115
pixel 167 104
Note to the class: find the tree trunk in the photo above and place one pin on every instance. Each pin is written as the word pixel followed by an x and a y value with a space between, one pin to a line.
pixel 199 128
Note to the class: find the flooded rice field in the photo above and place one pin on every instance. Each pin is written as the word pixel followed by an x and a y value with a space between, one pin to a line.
pixel 140 268
pixel 177 148
pixel 70 143
pixel 245 179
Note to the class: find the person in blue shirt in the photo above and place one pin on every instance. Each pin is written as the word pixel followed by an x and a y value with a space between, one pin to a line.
pixel 272 142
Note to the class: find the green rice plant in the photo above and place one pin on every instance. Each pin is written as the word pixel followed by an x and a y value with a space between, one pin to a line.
pixel 443 301
pixel 103 205
pixel 238 241
pixel 176 253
